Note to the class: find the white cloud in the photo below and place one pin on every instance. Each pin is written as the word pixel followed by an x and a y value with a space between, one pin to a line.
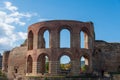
pixel 22 35
pixel 44 19
pixel 6 29
pixel 9 18
pixel 4 40
pixel 10 7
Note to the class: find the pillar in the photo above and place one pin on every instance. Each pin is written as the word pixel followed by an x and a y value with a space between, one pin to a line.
pixel 54 39
pixel 75 67
pixel 34 68
pixel 54 67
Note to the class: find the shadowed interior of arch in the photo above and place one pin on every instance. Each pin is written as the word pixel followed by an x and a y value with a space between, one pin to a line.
pixel 30 40
pixel 43 64
pixel 29 64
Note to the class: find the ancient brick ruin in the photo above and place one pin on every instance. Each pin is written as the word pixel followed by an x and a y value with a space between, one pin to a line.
pixel 29 58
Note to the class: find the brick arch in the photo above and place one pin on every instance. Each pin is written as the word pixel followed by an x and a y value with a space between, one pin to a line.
pixel 42 29
pixel 86 36
pixel 41 64
pixel 30 40
pixel 85 55
pixel 69 65
pixel 41 40
pixel 29 64
pixel 62 27
pixel 65 53
pixel 87 61
pixel 45 54
pixel 32 29
pixel 69 28
pixel 86 30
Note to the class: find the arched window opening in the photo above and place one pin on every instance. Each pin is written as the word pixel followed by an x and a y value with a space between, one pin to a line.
pixel 46 38
pixel 65 63
pixel 30 40
pixel 83 40
pixel 65 38
pixel 43 39
pixel 29 64
pixel 43 64
pixel 84 63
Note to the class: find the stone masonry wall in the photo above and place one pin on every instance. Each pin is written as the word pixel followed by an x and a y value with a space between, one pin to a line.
pixel 5 61
pixel 101 55
pixel 17 62
pixel 106 56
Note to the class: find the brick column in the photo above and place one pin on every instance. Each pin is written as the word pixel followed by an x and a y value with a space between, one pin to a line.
pixel 35 42
pixel 75 40
pixel 90 64
pixel 34 68
pixel 75 67
pixel 54 39
pixel 53 67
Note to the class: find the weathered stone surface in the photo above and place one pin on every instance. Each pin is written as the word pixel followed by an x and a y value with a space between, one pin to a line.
pixel 17 62
pixel 29 58
pixel 5 61
pixel 107 56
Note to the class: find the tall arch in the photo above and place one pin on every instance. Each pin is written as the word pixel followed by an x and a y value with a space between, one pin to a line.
pixel 29 64
pixel 43 64
pixel 43 38
pixel 65 62
pixel 84 39
pixel 64 38
pixel 30 40
pixel 84 63
pixel 46 38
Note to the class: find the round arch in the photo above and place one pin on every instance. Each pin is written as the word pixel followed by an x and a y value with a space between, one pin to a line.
pixel 29 64
pixel 66 53
pixel 44 42
pixel 85 30
pixel 65 61
pixel 84 63
pixel 65 27
pixel 67 32
pixel 85 38
pixel 30 40
pixel 43 63
pixel 41 30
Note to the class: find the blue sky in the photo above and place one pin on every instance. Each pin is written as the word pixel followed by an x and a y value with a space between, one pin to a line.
pixel 17 15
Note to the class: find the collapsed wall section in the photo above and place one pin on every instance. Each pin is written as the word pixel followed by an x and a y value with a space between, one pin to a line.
pixel 107 56
pixel 17 62
pixel 5 61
